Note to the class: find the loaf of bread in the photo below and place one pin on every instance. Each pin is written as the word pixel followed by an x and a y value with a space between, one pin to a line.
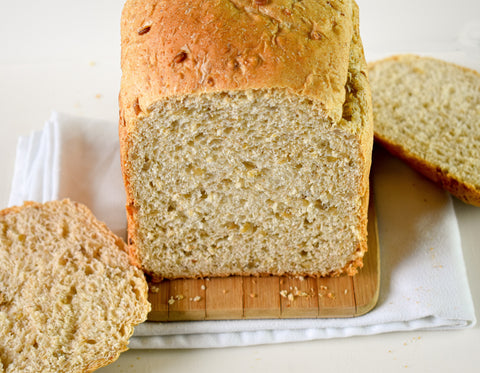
pixel 69 297
pixel 427 112
pixel 246 137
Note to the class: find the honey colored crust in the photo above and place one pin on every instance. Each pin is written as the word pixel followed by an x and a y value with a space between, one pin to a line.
pixel 310 48
pixel 173 48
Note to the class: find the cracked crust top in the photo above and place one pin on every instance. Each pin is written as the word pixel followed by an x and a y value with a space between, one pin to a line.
pixel 173 48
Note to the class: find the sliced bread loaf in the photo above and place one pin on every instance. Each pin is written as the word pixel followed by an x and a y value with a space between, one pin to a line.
pixel 246 137
pixel 69 297
pixel 427 112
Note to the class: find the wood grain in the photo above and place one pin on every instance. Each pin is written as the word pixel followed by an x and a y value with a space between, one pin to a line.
pixel 275 297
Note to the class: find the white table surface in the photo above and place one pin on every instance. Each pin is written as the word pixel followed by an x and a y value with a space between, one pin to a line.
pixel 64 56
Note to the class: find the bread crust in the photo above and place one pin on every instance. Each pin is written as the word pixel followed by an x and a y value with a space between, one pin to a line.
pixel 398 57
pixel 173 48
pixel 350 269
pixel 463 191
pixel 276 50
pixel 360 83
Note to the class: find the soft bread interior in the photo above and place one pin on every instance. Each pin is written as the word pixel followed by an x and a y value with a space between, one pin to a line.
pixel 246 182
pixel 431 108
pixel 69 298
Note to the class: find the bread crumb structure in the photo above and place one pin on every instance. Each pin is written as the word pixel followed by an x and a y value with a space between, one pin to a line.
pixel 69 297
pixel 246 137
pixel 427 112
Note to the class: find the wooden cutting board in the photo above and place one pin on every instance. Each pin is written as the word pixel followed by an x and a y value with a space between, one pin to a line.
pixel 271 297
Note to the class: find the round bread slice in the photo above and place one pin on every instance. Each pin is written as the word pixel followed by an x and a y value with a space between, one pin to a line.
pixel 427 112
pixel 69 297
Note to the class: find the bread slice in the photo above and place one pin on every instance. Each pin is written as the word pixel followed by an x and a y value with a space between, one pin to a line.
pixel 246 137
pixel 69 297
pixel 427 112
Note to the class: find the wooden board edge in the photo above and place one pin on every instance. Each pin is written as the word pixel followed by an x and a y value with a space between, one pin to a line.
pixel 362 305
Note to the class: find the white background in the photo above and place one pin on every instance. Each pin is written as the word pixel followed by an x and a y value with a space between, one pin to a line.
pixel 64 56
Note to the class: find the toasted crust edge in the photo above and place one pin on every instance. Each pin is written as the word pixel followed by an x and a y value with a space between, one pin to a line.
pixel 463 191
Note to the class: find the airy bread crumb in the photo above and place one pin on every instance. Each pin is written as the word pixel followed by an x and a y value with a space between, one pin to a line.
pixel 69 297
pixel 426 111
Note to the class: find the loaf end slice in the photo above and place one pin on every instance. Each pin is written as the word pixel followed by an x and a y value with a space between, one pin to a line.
pixel 427 112
pixel 69 297
pixel 243 157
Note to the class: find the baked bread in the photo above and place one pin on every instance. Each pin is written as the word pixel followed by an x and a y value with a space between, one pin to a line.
pixel 69 297
pixel 246 137
pixel 427 112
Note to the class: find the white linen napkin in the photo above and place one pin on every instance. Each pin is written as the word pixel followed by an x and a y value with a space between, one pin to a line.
pixel 74 158
pixel 423 279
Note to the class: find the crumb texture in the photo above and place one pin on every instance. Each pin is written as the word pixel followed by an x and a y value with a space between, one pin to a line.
pixel 69 298
pixel 430 109
pixel 240 183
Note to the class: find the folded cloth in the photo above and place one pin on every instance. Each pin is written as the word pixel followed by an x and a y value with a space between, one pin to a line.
pixel 73 158
pixel 423 279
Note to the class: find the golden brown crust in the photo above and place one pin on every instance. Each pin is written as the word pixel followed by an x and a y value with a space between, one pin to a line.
pixel 130 207
pixel 359 82
pixel 173 48
pixel 463 191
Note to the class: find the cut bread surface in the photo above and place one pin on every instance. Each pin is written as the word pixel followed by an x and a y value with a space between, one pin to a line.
pixel 241 183
pixel 69 297
pixel 427 112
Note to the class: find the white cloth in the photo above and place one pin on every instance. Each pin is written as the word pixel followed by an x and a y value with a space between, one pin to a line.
pixel 73 158
pixel 423 279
